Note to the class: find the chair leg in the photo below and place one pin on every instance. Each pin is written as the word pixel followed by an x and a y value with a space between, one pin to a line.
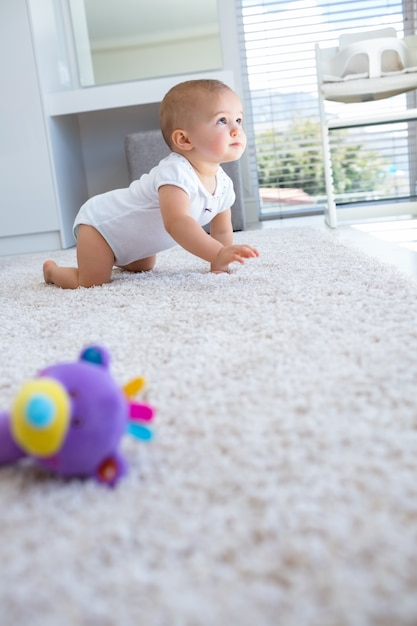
pixel 330 211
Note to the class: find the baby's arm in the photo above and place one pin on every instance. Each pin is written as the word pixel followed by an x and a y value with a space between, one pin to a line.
pixel 221 229
pixel 215 248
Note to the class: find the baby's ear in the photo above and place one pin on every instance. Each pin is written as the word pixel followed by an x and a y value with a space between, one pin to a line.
pixel 181 140
pixel 96 355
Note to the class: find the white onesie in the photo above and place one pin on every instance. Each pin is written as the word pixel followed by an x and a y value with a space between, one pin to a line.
pixel 130 219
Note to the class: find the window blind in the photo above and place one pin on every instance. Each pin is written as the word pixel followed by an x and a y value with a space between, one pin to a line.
pixel 278 47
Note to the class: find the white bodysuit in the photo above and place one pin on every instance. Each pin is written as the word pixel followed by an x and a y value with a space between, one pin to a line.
pixel 130 219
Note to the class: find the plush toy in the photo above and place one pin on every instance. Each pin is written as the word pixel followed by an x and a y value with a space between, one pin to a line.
pixel 71 418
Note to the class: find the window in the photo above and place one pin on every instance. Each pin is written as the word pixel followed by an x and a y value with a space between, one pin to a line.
pixel 278 40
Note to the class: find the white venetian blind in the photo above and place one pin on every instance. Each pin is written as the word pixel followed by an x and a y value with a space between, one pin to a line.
pixel 277 40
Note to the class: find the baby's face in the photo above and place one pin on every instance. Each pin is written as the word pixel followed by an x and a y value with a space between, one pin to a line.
pixel 216 130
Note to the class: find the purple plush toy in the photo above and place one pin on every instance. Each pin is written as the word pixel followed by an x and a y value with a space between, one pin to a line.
pixel 70 419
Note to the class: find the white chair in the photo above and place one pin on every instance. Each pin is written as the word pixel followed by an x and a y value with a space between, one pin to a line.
pixel 366 66
pixel 146 148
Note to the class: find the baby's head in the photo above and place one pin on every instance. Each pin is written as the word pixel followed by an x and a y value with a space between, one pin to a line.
pixel 181 104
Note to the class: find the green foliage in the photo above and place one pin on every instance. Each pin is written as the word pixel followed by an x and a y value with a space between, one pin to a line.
pixel 294 159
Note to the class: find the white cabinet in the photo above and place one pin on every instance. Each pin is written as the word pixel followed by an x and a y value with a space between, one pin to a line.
pixel 60 143
pixel 29 212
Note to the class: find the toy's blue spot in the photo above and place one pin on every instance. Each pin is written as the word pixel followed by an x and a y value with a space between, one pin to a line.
pixel 93 355
pixel 40 411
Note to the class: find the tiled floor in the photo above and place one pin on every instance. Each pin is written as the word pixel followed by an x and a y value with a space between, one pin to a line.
pixel 393 241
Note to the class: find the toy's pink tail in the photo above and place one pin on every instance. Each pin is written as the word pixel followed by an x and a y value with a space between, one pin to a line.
pixel 139 413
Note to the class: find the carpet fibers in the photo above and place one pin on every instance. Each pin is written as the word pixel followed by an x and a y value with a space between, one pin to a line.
pixel 281 486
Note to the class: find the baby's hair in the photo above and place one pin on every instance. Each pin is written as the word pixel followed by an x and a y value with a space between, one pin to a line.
pixel 178 105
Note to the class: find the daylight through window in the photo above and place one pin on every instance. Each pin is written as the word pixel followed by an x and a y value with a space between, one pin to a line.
pixel 278 40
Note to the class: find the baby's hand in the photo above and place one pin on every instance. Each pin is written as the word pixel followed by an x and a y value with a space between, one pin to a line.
pixel 229 254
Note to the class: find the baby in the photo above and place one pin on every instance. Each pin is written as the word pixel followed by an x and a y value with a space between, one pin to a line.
pixel 201 121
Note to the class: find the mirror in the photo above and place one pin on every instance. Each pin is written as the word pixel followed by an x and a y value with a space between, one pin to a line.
pixel 124 40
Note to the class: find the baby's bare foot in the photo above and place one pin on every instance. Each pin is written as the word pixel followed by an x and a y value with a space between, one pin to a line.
pixel 48 268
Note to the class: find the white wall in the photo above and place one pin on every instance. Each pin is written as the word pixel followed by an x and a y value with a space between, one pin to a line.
pixel 152 60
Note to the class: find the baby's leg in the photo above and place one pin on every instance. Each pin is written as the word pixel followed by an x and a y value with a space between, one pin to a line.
pixel 95 262
pixel 143 265
pixel 94 256
pixel 65 277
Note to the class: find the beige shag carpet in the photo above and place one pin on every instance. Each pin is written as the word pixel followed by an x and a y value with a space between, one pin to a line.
pixel 281 486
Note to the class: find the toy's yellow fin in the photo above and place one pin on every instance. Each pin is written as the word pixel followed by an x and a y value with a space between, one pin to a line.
pixel 134 386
